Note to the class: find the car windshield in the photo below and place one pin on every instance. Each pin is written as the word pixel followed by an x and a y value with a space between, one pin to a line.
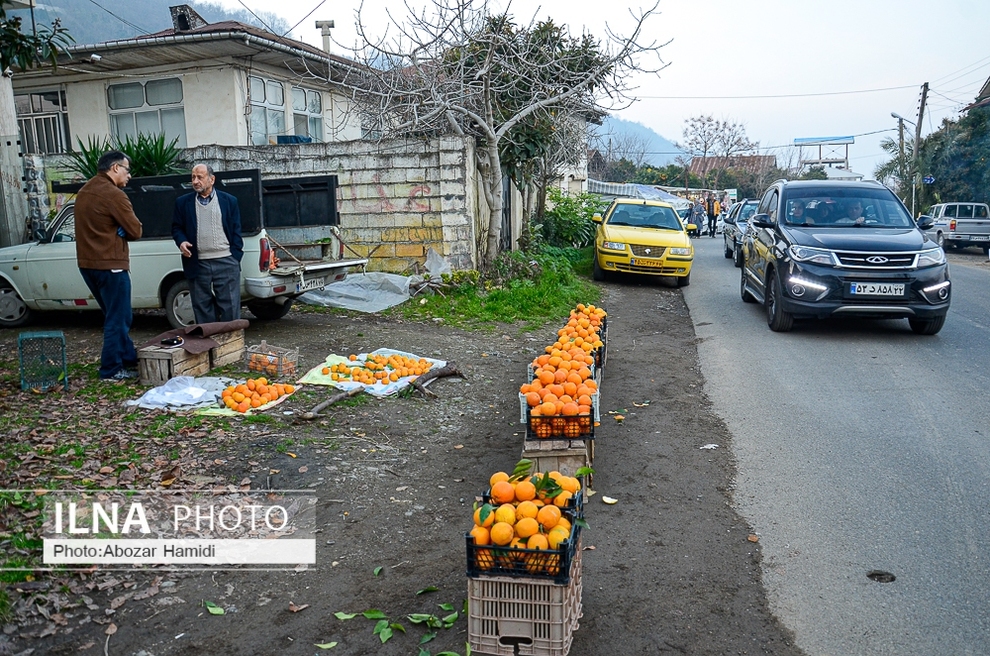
pixel 645 216
pixel 832 207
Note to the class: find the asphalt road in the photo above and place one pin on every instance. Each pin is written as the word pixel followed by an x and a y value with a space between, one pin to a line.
pixel 860 447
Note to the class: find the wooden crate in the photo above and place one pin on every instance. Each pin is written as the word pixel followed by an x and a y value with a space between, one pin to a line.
pixel 229 349
pixel 157 364
pixel 565 456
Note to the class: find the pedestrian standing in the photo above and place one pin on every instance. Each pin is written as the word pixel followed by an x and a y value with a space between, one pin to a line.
pixel 105 223
pixel 206 226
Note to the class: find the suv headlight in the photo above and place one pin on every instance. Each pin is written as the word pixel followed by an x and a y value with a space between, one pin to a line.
pixel 815 255
pixel 931 257
pixel 614 245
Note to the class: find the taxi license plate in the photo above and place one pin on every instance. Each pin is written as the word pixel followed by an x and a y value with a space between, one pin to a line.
pixel 876 288
pixel 647 263
pixel 311 283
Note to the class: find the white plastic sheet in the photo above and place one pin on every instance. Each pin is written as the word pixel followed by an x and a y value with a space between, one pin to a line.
pixel 182 393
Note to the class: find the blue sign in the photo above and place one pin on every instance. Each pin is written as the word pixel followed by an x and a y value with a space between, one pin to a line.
pixel 928 179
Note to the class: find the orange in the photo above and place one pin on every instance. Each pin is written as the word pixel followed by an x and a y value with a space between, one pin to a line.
pixel 526 527
pixel 526 509
pixel 496 477
pixel 537 541
pixel 289 389
pixel 557 535
pixel 564 523
pixel 325 371
pixel 533 399
pixel 548 517
pixel 503 492
pixel 502 533
pixel 506 513
pixel 570 484
pixel 489 516
pixel 561 499
pixel 525 491
pixel 481 535
pixel 485 559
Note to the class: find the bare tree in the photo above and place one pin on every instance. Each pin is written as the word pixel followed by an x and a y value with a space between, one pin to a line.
pixel 715 141
pixel 455 67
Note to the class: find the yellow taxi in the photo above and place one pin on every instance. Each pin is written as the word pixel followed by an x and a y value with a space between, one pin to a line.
pixel 645 237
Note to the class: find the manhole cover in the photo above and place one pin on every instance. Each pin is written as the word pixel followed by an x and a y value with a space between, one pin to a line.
pixel 880 576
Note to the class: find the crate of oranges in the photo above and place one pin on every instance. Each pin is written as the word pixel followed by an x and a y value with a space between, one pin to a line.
pixel 273 361
pixel 528 526
pixel 254 393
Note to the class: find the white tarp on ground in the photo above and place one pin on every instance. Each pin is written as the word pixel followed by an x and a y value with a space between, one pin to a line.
pixel 374 292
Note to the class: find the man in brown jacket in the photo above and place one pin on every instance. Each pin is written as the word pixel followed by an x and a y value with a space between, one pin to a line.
pixel 105 222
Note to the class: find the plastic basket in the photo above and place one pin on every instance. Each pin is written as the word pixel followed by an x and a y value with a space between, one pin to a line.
pixel 272 360
pixel 546 564
pixel 524 414
pixel 508 616
pixel 42 360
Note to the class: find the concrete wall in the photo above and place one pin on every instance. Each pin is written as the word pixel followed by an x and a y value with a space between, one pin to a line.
pixel 397 198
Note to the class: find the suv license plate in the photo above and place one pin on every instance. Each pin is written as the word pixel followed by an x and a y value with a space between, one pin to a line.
pixel 311 283
pixel 876 288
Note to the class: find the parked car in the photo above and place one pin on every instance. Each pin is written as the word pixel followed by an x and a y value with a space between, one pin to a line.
pixel 736 223
pixel 44 275
pixel 855 251
pixel 960 225
pixel 645 237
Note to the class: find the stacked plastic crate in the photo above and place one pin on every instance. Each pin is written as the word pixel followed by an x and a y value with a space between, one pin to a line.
pixel 526 601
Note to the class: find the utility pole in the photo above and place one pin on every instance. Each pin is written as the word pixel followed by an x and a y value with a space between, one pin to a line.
pixel 917 148
pixel 900 140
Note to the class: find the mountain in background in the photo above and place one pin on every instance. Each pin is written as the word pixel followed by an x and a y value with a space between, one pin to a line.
pixel 95 21
pixel 639 144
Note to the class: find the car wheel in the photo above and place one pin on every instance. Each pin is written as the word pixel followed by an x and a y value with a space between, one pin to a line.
pixel 269 310
pixel 940 240
pixel 778 320
pixel 737 258
pixel 927 326
pixel 726 250
pixel 14 311
pixel 743 292
pixel 178 305
pixel 596 270
pixel 684 281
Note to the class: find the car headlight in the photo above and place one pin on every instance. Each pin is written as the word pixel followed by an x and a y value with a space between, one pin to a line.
pixel 614 245
pixel 679 251
pixel 815 255
pixel 931 258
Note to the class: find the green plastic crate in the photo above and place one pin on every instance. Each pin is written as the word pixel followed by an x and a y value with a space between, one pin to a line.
pixel 42 360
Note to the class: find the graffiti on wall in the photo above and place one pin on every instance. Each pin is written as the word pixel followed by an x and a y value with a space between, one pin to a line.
pixel 415 198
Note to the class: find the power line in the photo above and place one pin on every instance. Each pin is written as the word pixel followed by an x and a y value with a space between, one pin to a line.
pixel 785 95
pixel 305 17
pixel 940 79
pixel 140 30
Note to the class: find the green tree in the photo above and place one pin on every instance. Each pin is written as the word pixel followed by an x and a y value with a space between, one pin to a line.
pixel 25 51
pixel 814 173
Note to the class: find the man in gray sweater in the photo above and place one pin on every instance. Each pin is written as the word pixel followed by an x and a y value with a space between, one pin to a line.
pixel 206 226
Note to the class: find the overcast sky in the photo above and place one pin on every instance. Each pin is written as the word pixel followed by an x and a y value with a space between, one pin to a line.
pixel 816 68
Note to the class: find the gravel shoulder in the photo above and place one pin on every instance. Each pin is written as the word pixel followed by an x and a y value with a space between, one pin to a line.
pixel 669 568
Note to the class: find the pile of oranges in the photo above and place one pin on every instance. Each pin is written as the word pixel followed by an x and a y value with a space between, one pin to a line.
pixel 563 385
pixel 525 521
pixel 377 368
pixel 272 364
pixel 254 393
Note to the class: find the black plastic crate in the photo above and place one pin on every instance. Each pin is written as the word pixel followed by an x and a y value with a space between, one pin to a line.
pixel 546 564
pixel 576 427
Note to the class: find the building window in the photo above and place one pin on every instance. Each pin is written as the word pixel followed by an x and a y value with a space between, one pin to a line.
pixel 307 113
pixel 43 122
pixel 152 107
pixel 267 110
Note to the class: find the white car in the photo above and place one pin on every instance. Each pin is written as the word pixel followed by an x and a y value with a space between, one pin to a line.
pixel 44 275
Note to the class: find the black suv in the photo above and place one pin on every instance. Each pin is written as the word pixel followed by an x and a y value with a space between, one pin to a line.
pixel 817 249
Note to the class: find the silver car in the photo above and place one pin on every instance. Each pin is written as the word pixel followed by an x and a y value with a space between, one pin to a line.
pixel 736 223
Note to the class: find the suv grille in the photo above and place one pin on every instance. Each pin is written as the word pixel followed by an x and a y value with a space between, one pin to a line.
pixel 641 251
pixel 879 261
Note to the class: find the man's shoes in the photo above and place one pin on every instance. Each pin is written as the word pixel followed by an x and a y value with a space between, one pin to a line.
pixel 123 374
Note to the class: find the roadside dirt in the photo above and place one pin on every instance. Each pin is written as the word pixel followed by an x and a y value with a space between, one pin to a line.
pixel 670 568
